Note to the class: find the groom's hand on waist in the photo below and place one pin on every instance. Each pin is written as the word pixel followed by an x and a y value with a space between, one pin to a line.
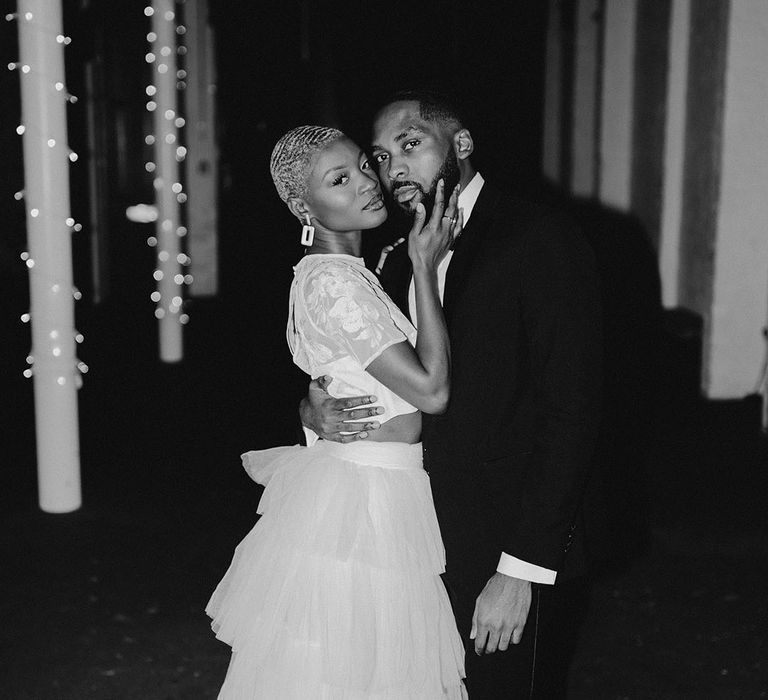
pixel 501 611
pixel 340 420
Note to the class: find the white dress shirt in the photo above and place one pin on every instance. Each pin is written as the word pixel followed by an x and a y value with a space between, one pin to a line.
pixel 508 564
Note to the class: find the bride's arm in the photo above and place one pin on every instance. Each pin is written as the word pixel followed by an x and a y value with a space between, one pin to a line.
pixel 421 376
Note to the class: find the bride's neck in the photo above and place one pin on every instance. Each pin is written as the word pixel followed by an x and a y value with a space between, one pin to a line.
pixel 348 243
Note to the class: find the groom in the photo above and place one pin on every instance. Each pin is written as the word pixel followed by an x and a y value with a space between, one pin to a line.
pixel 509 459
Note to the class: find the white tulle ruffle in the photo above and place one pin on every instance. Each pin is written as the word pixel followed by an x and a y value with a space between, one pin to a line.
pixel 335 594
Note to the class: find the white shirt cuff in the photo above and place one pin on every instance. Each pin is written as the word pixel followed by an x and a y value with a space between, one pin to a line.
pixel 517 568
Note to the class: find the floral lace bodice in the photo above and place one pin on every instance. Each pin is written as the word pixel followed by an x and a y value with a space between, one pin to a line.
pixel 340 321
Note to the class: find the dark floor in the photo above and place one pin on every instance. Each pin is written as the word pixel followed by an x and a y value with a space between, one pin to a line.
pixel 108 602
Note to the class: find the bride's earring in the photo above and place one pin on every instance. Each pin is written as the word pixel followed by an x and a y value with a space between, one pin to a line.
pixel 307 233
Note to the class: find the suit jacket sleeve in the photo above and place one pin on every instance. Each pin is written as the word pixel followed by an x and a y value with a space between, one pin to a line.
pixel 561 318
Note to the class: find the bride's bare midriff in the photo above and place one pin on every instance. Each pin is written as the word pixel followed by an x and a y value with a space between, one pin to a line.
pixel 403 428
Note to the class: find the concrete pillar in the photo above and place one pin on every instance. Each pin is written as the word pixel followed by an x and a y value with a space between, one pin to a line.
pixel 202 156
pixel 585 98
pixel 168 190
pixel 49 259
pixel 734 345
pixel 674 152
pixel 617 103
pixel 552 95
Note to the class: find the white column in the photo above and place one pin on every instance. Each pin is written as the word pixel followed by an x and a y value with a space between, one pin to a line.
pixel 552 95
pixel 617 97
pixel 674 152
pixel 49 228
pixel 585 102
pixel 734 346
pixel 168 190
pixel 202 156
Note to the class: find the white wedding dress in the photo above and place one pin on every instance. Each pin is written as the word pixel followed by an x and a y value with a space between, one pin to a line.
pixel 336 592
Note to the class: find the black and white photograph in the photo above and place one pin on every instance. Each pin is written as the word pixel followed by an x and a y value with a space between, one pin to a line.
pixel 364 350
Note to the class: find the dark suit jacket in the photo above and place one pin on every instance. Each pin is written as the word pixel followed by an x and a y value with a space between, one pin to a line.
pixel 509 459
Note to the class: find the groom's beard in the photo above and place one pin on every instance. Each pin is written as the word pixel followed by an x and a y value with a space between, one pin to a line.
pixel 449 172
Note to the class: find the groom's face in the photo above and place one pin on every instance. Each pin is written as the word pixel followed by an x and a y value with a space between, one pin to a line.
pixel 412 154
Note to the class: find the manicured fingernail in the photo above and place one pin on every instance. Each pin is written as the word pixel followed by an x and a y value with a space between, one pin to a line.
pixel 372 399
pixel 363 435
pixel 379 410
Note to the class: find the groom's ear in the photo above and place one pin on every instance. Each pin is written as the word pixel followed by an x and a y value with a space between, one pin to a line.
pixel 463 144
pixel 298 207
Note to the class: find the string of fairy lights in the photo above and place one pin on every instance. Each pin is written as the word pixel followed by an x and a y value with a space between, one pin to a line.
pixel 42 270
pixel 165 168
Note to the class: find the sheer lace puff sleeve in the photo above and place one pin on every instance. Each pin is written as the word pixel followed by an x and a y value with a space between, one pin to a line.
pixel 349 309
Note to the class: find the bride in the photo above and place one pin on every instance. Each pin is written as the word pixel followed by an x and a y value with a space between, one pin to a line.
pixel 336 592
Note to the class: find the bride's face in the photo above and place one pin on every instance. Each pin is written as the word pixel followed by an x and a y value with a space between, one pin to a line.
pixel 343 191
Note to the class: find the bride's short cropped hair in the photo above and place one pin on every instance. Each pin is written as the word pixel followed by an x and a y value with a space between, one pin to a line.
pixel 292 157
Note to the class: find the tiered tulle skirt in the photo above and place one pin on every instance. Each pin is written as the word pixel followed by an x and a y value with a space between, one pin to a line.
pixel 335 594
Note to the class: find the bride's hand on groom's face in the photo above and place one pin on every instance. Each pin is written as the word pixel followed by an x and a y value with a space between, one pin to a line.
pixel 430 240
pixel 339 420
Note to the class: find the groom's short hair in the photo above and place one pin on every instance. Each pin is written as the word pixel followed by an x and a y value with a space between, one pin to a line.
pixel 434 106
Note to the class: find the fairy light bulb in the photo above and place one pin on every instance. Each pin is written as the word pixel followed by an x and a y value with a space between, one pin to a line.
pixel 158 275
pixel 149 11
pixel 18 196
pixel 149 139
pixel 28 373
pixel 79 338
pixel 183 318
pixel 61 381
pixel 59 86
pixel 34 213
pixel 70 221
pixel 25 69
pixel 159 313
pixel 25 318
pixel 20 129
pixel 151 90
pixel 155 296
pixel 152 241
pixel 73 156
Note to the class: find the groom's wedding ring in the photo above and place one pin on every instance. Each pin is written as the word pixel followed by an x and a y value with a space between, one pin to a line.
pixel 452 218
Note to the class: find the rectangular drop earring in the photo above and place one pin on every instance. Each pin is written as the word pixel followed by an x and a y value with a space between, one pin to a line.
pixel 307 233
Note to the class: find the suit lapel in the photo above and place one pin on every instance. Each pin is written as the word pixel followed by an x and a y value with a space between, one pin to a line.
pixel 466 248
